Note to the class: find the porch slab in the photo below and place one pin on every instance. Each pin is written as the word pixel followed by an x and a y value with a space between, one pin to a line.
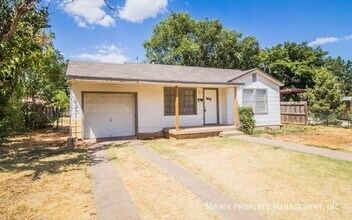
pixel 199 131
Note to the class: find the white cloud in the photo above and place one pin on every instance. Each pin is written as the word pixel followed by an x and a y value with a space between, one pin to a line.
pixel 326 40
pixel 106 53
pixel 88 12
pixel 323 40
pixel 139 10
pixel 348 37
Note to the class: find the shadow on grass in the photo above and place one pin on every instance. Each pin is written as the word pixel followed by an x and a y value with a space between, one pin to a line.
pixel 45 152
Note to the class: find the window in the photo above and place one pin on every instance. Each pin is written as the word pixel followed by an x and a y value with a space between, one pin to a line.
pixel 248 98
pixel 187 101
pixel 169 101
pixel 257 99
pixel 261 102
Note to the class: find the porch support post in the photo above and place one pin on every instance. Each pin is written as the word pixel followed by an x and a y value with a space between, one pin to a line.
pixel 176 109
pixel 237 121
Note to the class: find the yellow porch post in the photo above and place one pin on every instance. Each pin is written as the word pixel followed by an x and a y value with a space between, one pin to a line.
pixel 236 108
pixel 176 109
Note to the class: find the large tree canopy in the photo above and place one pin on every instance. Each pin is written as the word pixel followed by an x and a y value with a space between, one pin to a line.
pixel 343 71
pixel 324 98
pixel 293 64
pixel 29 64
pixel 181 40
pixel 21 43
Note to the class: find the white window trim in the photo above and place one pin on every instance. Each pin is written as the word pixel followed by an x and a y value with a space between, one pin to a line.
pixel 254 101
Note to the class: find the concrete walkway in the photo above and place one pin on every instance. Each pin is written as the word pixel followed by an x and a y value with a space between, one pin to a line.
pixel 112 198
pixel 334 154
pixel 212 196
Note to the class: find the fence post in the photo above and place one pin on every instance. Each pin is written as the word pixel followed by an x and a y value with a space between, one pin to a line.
pixel 306 111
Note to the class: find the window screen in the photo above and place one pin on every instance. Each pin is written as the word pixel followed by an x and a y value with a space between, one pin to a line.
pixel 248 98
pixel 257 99
pixel 261 105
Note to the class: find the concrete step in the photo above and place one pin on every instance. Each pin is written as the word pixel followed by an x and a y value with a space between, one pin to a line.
pixel 230 133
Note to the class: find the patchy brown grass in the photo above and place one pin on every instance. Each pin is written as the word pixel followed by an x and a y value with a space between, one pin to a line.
pixel 320 136
pixel 258 174
pixel 42 179
pixel 155 194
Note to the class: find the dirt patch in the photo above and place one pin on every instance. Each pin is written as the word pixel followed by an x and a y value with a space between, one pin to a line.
pixel 319 136
pixel 257 174
pixel 155 194
pixel 41 178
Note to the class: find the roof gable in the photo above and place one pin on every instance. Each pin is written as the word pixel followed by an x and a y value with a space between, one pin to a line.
pixel 258 71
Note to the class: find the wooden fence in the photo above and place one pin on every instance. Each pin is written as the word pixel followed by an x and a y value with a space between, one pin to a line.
pixel 294 113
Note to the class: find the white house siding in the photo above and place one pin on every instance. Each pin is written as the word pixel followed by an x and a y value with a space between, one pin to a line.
pixel 150 107
pixel 273 93
pixel 226 106
pixel 230 106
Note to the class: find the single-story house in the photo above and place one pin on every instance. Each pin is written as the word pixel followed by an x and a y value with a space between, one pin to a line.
pixel 131 99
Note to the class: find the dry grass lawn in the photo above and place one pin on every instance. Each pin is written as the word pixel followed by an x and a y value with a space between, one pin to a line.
pixel 155 194
pixel 42 179
pixel 258 174
pixel 319 136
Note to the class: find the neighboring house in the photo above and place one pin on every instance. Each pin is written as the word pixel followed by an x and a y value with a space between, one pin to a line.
pixel 347 112
pixel 112 100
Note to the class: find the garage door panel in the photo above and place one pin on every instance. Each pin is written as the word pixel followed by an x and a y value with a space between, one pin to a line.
pixel 127 121
pixel 109 115
pixel 126 131
pixel 126 107
pixel 90 110
pixel 96 131
pixel 97 121
pixel 90 98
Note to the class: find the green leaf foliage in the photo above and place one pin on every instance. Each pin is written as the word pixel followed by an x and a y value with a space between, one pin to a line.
pixel 182 40
pixel 60 100
pixel 342 69
pixel 324 99
pixel 247 122
pixel 292 63
pixel 23 50
pixel 30 67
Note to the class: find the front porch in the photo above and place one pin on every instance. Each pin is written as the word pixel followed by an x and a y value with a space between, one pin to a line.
pixel 178 132
pixel 202 131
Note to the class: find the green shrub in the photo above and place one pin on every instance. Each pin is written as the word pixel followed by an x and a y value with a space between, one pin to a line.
pixel 13 121
pixel 246 116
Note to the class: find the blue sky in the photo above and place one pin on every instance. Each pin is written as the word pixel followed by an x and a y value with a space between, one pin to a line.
pixel 88 30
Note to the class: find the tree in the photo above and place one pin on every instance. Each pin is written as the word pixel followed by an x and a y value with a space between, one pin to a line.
pixel 324 98
pixel 21 40
pixel 45 83
pixel 181 40
pixel 29 64
pixel 60 100
pixel 42 81
pixel 342 70
pixel 293 64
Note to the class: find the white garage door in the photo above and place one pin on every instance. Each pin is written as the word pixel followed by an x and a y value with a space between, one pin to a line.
pixel 109 115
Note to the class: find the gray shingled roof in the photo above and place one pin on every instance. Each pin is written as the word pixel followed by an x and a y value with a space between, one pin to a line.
pixel 151 73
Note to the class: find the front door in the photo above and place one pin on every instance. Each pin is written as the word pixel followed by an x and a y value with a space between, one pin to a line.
pixel 210 106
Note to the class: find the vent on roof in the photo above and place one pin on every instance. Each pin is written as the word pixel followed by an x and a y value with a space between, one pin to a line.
pixel 254 77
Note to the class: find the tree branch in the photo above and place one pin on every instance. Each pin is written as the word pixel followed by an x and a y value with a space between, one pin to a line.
pixel 20 11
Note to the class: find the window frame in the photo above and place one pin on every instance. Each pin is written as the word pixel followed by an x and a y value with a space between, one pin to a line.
pixel 254 101
pixel 181 101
